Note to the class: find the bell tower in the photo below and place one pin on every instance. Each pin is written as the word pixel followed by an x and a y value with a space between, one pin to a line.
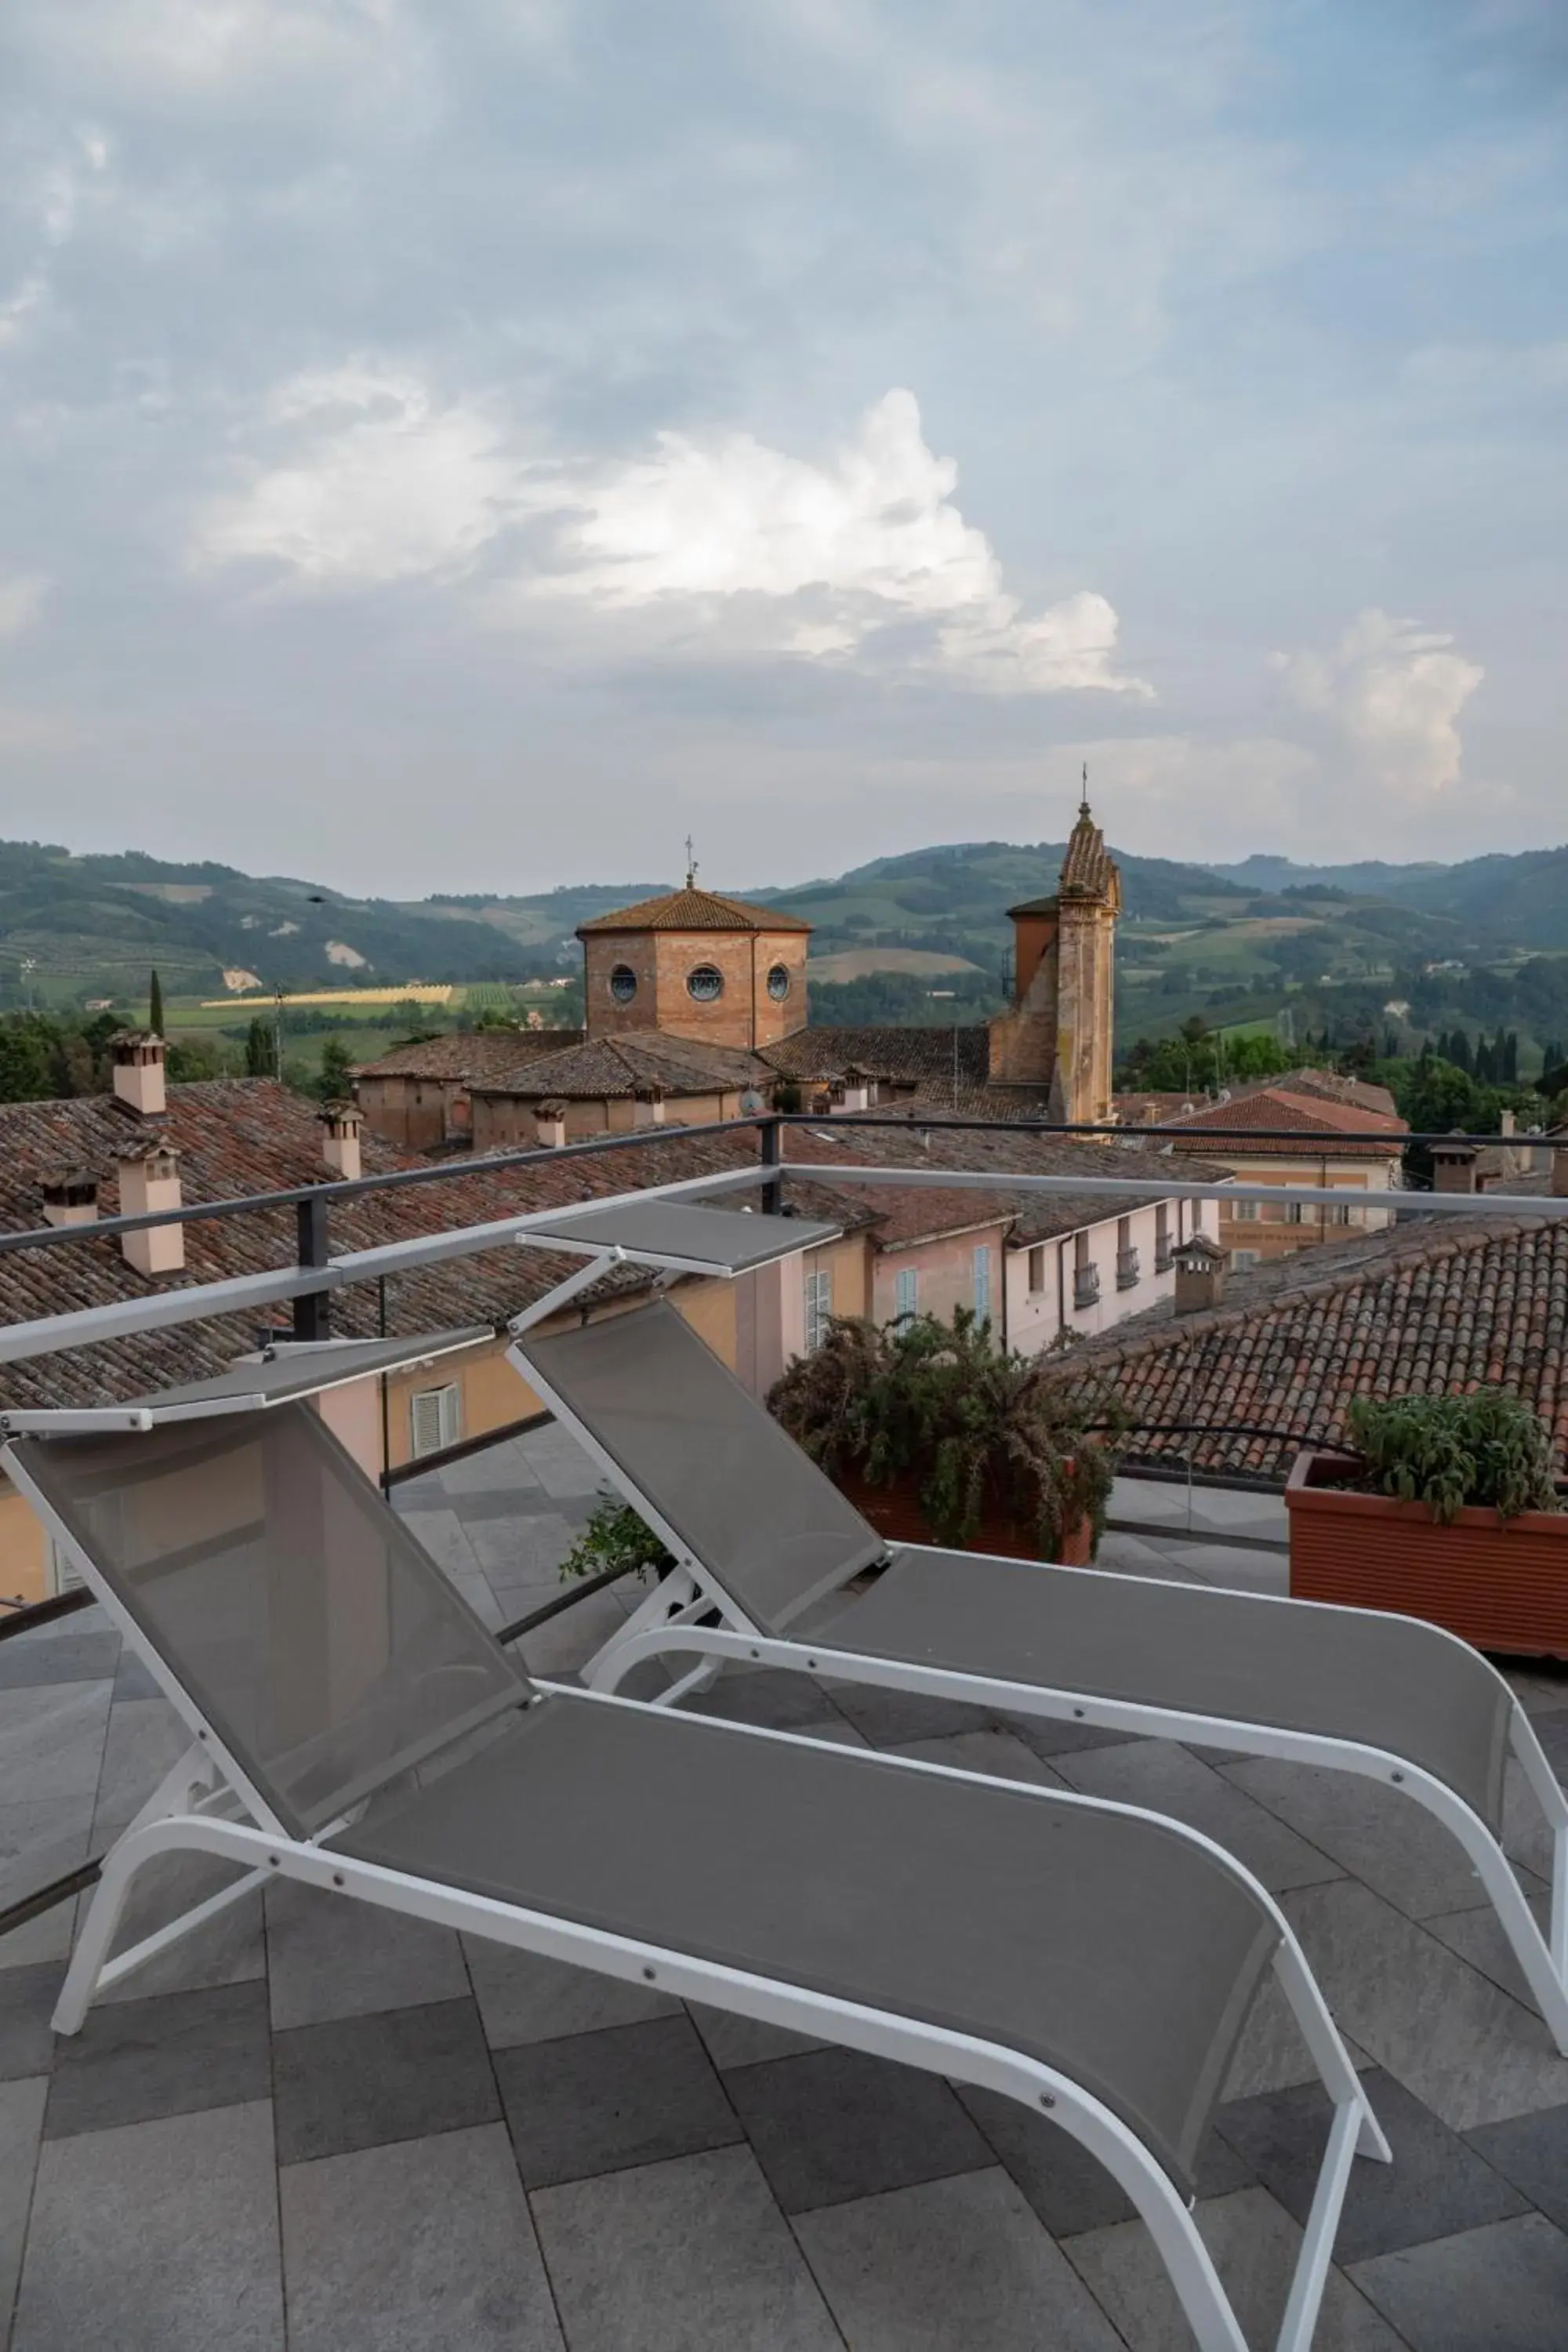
pixel 1060 1033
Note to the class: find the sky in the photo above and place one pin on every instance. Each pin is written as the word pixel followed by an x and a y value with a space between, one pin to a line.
pixel 470 445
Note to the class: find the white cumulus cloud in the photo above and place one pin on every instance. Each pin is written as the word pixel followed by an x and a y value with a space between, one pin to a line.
pixel 1389 694
pixel 21 601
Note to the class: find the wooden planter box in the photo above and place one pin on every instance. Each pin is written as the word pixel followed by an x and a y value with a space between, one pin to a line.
pixel 1501 1584
pixel 894 1510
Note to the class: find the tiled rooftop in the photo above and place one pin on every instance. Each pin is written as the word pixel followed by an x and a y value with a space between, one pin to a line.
pixel 1322 1121
pixel 692 910
pixel 320 2128
pixel 470 1057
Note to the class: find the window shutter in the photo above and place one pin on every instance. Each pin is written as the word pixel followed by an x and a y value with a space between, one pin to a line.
pixel 64 1573
pixel 436 1419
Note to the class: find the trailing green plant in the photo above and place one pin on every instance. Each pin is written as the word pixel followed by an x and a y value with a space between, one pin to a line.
pixel 979 1426
pixel 1484 1451
pixel 615 1536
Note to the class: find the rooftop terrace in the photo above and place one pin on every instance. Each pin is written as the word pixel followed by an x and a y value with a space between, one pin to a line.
pixel 324 2128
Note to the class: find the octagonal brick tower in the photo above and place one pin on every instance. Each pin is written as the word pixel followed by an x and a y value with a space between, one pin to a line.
pixel 1060 1033
pixel 695 964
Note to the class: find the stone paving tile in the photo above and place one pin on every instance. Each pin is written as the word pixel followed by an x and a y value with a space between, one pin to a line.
pixel 227 1949
pixel 1051 1736
pixel 513 1503
pixel 440 1532
pixel 770 1695
pixel 1271 2055
pixel 1533 2152
pixel 1476 1935
pixel 628 2095
pixel 40 1840
pixel 135 2061
pixel 1502 2289
pixel 1254 2246
pixel 951 2263
pixel 704 2261
pixel 1435 2186
pixel 51 1739
pixel 159 2237
pixel 523 1997
pixel 144 1740
pixel 891 1717
pixel 1394 1845
pixel 1166 1779
pixel 490 1471
pixel 21 2132
pixel 329 1958
pixel 567 1642
pixel 27 1997
pixel 734 2041
pixel 1001 1754
pixel 1526 1837
pixel 76 1657
pixel 1068 2187
pixel 1445 2031
pixel 521 1551
pixel 835 2124
pixel 403 2074
pixel 47 1938
pixel 419 2244
pixel 132 1679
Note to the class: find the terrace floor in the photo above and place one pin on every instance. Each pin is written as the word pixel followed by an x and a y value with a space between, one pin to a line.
pixel 322 2128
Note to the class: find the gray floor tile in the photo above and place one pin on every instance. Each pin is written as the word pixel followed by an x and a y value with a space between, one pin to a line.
pixel 1054 1735
pixel 525 1548
pixel 523 1997
pixel 1436 2184
pixel 1271 2055
pixel 441 1534
pixel 835 2124
pixel 1525 1834
pixel 328 1957
pixel 1464 2048
pixel 629 2095
pixel 51 1740
pixel 21 2132
pixel 745 2041
pixel 404 2073
pixel 1476 1935
pixel 144 1740
pixel 1392 1844
pixel 1504 2289
pixel 27 1997
pixel 47 1938
pixel 1069 2188
pixel 132 1679
pixel 951 2263
pixel 569 1641
pixel 1000 1753
pixel 161 2237
pixel 773 1696
pixel 477 1590
pixel 890 1718
pixel 563 1470
pixel 424 2242
pixel 227 1949
pixel 521 1503
pixel 41 1840
pixel 1532 2151
pixel 76 1657
pixel 705 2261
pixel 1254 2246
pixel 134 2061
pixel 1166 1779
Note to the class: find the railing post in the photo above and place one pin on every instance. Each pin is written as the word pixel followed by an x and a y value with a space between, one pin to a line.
pixel 772 1191
pixel 312 1310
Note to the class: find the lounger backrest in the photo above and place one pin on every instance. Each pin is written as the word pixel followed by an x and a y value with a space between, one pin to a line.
pixel 308 1629
pixel 714 1466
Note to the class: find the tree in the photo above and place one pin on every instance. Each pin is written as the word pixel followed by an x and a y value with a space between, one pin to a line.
pixel 337 1070
pixel 260 1050
pixel 23 1062
pixel 155 1006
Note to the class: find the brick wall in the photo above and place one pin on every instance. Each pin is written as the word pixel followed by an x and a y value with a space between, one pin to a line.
pixel 742 1014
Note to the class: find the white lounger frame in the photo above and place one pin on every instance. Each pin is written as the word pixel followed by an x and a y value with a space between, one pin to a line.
pixel 208 1805
pixel 667 1622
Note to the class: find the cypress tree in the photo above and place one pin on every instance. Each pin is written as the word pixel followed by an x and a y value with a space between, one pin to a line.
pixel 155 1006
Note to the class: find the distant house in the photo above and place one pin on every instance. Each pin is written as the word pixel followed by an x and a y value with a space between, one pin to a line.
pixel 1304 1130
pixel 419 1097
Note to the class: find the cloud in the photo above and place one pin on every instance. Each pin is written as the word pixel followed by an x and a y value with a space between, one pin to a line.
pixel 197 45
pixel 1389 693
pixel 21 601
pixel 719 545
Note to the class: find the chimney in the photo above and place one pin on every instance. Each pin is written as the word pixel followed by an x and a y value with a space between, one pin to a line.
pixel 857 1092
pixel 1199 1274
pixel 550 1124
pixel 340 1126
pixel 139 1074
pixel 150 1179
pixel 70 1197
pixel 1453 1165
pixel 647 1105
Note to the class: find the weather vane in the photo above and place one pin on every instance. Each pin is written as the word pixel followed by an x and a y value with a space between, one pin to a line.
pixel 691 865
pixel 1083 805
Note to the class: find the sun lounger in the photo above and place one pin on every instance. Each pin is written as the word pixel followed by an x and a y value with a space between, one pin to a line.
pixel 762 1538
pixel 354 1727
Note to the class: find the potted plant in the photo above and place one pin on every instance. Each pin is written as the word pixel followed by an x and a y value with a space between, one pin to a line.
pixel 1447 1510
pixel 940 1436
pixel 616 1539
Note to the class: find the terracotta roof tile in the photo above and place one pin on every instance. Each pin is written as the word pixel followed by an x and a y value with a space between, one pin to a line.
pixel 693 911
pixel 1316 1117
pixel 468 1057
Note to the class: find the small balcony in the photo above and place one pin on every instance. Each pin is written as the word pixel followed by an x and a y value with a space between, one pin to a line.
pixel 1085 1286
pixel 1126 1269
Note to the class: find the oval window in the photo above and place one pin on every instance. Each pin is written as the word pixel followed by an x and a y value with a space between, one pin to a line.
pixel 778 982
pixel 705 984
pixel 623 983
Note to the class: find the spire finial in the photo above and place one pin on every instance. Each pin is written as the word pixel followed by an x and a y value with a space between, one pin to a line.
pixel 1083 805
pixel 691 865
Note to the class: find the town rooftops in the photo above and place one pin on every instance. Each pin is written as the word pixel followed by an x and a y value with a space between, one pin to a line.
pixel 692 910
pixel 1322 1122
pixel 1427 1307
pixel 604 1070
pixel 908 1054
pixel 469 1056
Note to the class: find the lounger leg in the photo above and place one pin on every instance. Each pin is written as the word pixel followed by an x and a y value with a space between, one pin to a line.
pixel 674 1601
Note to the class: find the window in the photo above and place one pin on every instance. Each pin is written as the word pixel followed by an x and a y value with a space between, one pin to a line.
pixel 1037 1268
pixel 623 983
pixel 1126 1255
pixel 907 1292
pixel 1245 1212
pixel 435 1418
pixel 1241 1259
pixel 705 984
pixel 1085 1273
pixel 64 1574
pixel 778 982
pixel 1161 1238
pixel 982 1276
pixel 1295 1213
pixel 819 1307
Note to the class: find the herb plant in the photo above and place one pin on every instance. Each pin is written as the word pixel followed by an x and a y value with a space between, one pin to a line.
pixel 615 1536
pixel 1485 1450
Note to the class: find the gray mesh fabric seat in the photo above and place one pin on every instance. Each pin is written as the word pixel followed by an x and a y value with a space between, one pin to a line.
pixel 1090 1957
pixel 765 1536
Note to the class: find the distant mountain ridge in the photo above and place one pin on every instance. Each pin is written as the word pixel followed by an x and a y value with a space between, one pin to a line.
pixel 1519 898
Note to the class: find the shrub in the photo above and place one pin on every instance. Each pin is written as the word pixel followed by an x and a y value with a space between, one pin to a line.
pixel 1487 1451
pixel 615 1536
pixel 978 1425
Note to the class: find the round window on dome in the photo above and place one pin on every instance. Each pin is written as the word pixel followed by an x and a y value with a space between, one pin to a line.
pixel 705 984
pixel 623 983
pixel 778 982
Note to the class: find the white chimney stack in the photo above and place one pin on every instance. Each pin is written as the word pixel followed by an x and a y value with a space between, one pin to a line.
pixel 340 1126
pixel 139 1072
pixel 1199 1274
pixel 70 1197
pixel 550 1124
pixel 148 1181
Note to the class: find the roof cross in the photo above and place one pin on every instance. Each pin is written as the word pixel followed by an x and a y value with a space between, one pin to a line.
pixel 691 865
